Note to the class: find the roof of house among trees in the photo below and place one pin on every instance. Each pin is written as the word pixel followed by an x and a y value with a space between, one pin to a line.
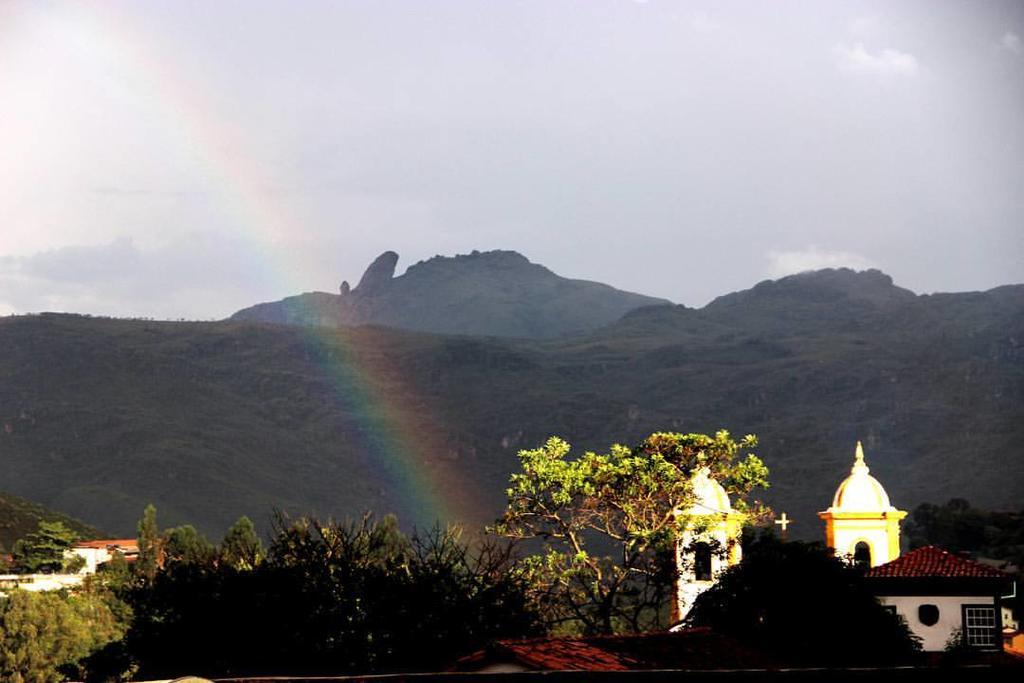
pixel 933 562
pixel 698 648
pixel 126 543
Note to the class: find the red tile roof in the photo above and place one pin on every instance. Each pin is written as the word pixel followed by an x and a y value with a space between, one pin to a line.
pixel 698 648
pixel 108 543
pixel 933 562
pixel 563 654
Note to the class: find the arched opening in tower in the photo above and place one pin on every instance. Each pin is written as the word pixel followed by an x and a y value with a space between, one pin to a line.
pixel 862 555
pixel 702 561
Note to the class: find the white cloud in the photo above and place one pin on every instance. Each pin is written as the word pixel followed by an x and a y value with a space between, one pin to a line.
pixel 1011 43
pixel 194 276
pixel 857 59
pixel 782 263
pixel 702 22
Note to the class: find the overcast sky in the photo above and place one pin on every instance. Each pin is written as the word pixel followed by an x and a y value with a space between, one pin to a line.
pixel 179 159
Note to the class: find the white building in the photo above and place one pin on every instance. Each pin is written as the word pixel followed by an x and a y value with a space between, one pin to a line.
pixel 944 597
pixel 102 550
pixel 94 554
pixel 39 582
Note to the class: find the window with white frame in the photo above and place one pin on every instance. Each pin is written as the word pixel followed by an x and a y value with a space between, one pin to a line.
pixel 980 626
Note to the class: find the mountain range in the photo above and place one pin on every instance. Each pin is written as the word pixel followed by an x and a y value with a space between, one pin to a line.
pixel 497 293
pixel 209 421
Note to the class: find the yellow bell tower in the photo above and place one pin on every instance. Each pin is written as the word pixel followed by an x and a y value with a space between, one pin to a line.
pixel 861 522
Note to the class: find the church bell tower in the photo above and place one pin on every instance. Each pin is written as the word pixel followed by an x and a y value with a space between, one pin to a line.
pixel 709 544
pixel 861 522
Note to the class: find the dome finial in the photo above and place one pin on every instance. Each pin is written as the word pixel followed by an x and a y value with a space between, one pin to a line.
pixel 858 460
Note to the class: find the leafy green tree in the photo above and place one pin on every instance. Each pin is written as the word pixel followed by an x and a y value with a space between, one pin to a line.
pixel 241 547
pixel 45 550
pixel 183 545
pixel 116 573
pixel 610 523
pixel 150 552
pixel 44 635
pixel 799 601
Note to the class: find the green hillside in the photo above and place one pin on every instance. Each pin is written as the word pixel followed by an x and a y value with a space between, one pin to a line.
pixel 213 420
pixel 19 517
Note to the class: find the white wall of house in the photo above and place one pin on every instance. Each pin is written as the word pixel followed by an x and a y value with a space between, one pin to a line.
pixel 39 582
pixel 93 557
pixel 935 637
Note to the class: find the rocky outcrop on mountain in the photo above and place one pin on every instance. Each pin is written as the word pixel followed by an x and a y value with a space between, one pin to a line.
pixel 839 296
pixel 826 286
pixel 494 293
pixel 378 276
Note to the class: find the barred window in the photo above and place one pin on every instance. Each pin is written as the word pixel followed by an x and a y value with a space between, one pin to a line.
pixel 980 626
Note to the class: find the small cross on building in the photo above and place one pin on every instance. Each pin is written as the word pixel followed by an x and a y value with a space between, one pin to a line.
pixel 784 522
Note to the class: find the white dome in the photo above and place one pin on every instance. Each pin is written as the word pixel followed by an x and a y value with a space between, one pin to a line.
pixel 710 496
pixel 860 492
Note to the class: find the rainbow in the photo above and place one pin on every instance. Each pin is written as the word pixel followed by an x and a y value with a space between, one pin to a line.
pixel 401 432
pixel 400 435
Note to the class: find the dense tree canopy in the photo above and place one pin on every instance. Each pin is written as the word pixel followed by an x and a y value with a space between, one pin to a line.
pixel 45 635
pixel 46 550
pixel 241 547
pixel 802 603
pixel 957 526
pixel 149 543
pixel 184 545
pixel 327 598
pixel 610 522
